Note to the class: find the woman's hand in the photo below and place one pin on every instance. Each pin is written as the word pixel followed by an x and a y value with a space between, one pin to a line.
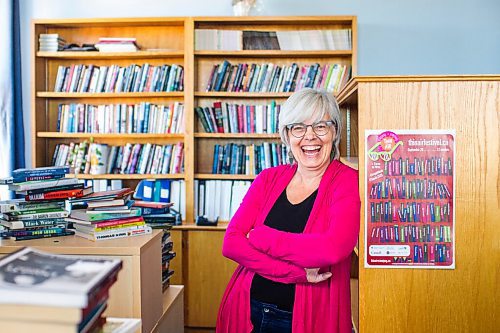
pixel 313 275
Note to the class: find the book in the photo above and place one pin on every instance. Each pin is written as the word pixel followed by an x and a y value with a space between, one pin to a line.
pixel 42 184
pixel 20 224
pixel 35 216
pixel 106 203
pixel 102 195
pixel 19 205
pixel 54 195
pixel 33 277
pixel 82 214
pixel 117 233
pixel 19 174
pixel 30 237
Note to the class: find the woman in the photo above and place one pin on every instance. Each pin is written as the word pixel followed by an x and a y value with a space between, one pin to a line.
pixel 294 231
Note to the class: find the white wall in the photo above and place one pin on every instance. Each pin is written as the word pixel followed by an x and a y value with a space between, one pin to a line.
pixel 395 37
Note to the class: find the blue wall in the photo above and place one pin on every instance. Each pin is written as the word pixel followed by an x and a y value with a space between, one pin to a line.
pixel 395 37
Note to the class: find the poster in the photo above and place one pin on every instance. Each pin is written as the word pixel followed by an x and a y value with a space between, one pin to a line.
pixel 410 199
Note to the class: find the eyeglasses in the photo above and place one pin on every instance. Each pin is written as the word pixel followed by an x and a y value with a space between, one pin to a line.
pixel 320 128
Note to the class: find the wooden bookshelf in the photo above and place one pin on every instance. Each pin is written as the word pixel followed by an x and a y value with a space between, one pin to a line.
pixel 467 295
pixel 172 41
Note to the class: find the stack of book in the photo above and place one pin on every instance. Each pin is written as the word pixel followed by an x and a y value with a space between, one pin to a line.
pixel 42 292
pixel 41 212
pixel 117 44
pixel 106 215
pixel 50 43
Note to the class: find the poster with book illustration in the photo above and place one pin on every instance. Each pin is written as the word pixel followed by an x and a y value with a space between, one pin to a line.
pixel 410 199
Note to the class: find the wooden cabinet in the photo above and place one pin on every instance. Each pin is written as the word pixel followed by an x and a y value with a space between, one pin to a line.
pixel 464 299
pixel 137 292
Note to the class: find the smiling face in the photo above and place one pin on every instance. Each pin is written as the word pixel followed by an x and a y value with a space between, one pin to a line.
pixel 312 152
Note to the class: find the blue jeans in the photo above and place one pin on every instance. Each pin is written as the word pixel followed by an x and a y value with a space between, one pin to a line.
pixel 267 318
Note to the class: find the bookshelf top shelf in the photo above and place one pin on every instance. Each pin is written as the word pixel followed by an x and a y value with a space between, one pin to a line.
pixel 275 20
pixel 110 55
pixel 275 53
pixel 111 22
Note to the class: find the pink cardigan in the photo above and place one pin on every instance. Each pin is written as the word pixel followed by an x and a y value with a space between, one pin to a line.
pixel 327 242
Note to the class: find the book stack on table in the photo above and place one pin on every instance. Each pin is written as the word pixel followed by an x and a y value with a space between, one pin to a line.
pixel 41 212
pixel 107 215
pixel 42 292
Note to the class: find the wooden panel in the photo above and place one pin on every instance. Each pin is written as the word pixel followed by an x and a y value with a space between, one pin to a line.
pixel 464 299
pixel 147 284
pixel 207 276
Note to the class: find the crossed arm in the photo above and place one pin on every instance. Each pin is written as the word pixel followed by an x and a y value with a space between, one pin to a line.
pixel 283 256
pixel 317 249
pixel 237 247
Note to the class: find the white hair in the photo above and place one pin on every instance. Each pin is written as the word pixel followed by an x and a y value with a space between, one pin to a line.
pixel 313 104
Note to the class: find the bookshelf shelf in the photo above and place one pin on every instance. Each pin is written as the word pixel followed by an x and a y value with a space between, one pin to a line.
pixel 223 176
pixel 276 53
pixel 50 94
pixel 120 136
pixel 237 136
pixel 111 55
pixel 128 176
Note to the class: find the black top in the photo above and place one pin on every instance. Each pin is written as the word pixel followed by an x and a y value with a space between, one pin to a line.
pixel 283 216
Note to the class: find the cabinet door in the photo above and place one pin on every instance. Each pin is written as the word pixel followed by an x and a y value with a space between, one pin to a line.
pixel 208 273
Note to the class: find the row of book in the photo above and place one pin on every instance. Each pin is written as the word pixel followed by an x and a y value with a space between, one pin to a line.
pixel 97 158
pixel 44 292
pixel 218 198
pixel 133 78
pixel 251 159
pixel 239 118
pixel 269 77
pixel 143 117
pixel 288 40
pixel 41 212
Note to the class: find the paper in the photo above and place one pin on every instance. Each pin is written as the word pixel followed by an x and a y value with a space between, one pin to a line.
pixel 410 199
